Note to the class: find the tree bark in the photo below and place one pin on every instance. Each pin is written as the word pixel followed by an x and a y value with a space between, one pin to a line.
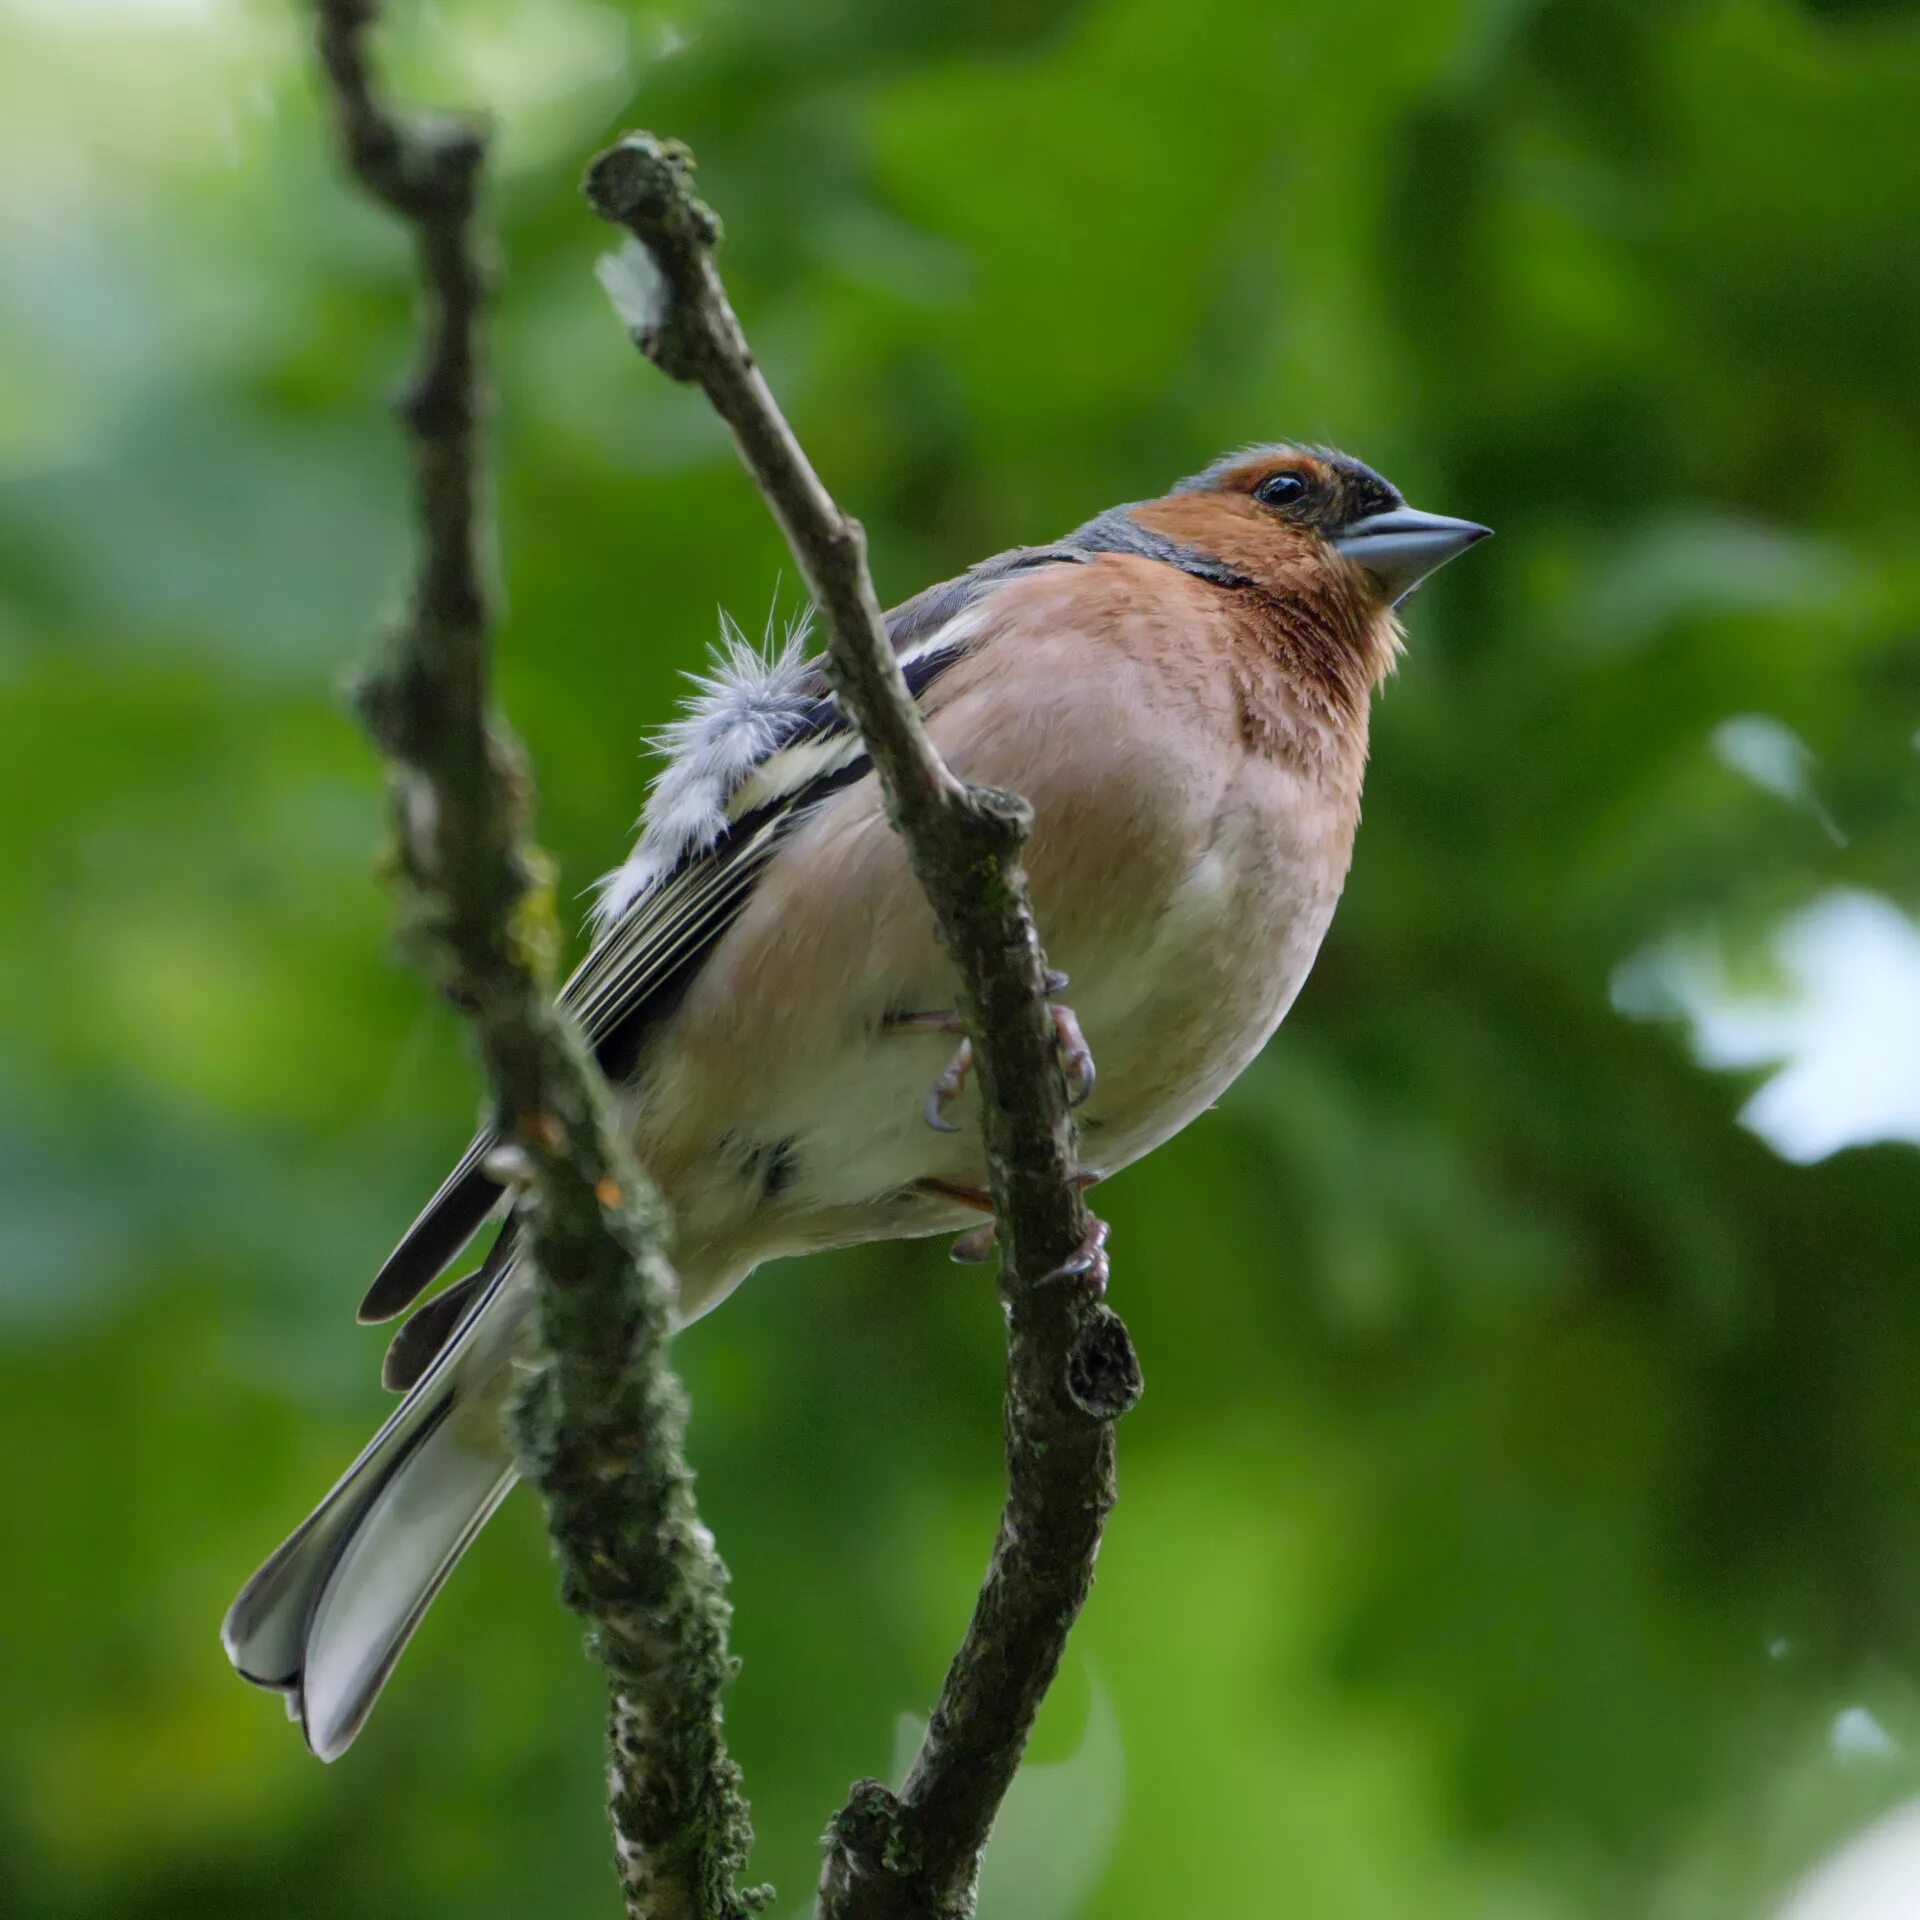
pixel 1071 1368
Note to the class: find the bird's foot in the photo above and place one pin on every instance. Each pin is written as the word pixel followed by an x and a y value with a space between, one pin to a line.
pixel 976 1246
pixel 1088 1266
pixel 981 1243
pixel 948 1088
pixel 978 1198
pixel 953 1080
pixel 1076 1057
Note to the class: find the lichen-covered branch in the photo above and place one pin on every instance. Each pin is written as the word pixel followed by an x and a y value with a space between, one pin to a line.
pixel 602 1426
pixel 1071 1367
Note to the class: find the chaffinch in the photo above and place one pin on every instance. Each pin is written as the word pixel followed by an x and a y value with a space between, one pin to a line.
pixel 1181 690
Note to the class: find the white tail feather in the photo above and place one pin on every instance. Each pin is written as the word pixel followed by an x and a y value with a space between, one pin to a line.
pixel 391 1564
pixel 326 1618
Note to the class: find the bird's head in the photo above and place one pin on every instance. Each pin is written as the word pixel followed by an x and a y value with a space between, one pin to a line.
pixel 1319 532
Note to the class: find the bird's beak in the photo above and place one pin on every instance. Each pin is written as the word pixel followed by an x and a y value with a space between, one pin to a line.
pixel 1402 546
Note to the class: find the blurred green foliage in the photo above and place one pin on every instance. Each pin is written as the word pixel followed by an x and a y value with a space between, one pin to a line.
pixel 1530 1469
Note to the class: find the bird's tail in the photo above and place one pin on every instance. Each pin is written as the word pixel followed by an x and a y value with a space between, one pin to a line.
pixel 326 1618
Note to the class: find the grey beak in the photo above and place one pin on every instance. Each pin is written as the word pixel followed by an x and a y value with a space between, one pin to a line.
pixel 1402 546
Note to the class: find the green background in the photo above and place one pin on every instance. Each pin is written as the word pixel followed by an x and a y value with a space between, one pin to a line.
pixel 1529 1475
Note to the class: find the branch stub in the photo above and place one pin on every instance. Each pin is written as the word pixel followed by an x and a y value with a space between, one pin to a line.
pixel 1103 1370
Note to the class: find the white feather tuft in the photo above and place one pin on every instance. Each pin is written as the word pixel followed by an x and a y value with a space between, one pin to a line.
pixel 742 708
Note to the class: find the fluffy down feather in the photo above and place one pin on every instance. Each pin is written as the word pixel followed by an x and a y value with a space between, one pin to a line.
pixel 749 703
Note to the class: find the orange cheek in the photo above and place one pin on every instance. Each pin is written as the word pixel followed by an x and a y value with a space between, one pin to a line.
pixel 1233 528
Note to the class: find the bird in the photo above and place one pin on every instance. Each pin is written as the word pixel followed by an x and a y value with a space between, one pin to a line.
pixel 1180 688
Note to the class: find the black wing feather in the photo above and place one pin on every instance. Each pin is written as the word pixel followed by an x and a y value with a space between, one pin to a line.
pixel 446 1223
pixel 426 1330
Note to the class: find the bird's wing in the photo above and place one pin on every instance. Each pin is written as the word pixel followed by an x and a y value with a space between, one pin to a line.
pixel 762 741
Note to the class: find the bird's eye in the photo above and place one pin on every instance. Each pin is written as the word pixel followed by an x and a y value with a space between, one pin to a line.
pixel 1281 489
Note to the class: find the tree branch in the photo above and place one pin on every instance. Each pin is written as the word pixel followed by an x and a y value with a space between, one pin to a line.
pixel 1071 1368
pixel 602 1426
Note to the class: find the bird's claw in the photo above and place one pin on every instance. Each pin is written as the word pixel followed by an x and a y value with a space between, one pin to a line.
pixel 948 1088
pixel 1088 1265
pixel 1076 1057
pixel 975 1246
pixel 981 1243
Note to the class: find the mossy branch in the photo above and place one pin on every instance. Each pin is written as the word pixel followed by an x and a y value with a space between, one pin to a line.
pixel 1071 1368
pixel 602 1427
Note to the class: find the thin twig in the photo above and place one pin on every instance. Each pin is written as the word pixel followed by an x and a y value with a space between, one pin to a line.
pixel 1071 1368
pixel 602 1426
